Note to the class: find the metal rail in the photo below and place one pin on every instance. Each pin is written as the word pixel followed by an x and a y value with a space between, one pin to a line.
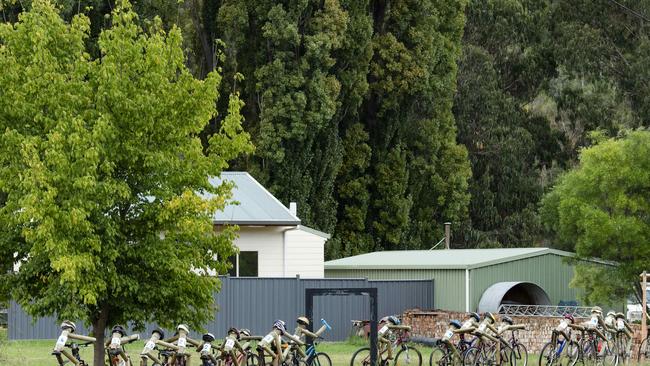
pixel 545 310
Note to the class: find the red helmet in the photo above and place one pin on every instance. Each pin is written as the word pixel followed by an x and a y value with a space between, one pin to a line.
pixel 570 318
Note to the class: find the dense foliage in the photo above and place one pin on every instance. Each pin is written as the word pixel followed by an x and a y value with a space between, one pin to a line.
pixel 100 163
pixel 601 208
pixel 383 119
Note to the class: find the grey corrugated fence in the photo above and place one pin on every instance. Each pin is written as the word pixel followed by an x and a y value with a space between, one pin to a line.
pixel 255 303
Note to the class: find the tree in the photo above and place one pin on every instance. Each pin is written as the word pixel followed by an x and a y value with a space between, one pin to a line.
pixel 601 209
pixel 100 166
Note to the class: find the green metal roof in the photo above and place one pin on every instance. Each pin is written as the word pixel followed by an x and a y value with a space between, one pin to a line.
pixel 438 259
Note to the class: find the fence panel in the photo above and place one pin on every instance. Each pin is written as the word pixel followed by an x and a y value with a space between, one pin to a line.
pixel 254 303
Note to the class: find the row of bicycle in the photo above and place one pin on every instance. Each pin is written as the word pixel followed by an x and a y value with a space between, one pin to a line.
pixel 239 348
pixel 602 341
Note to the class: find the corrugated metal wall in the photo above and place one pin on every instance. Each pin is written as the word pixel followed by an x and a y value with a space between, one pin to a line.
pixel 255 303
pixel 549 271
pixel 450 283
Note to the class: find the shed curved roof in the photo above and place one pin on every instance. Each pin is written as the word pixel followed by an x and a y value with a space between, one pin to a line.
pixel 493 295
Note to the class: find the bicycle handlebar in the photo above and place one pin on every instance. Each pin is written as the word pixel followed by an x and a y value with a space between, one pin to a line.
pixel 324 322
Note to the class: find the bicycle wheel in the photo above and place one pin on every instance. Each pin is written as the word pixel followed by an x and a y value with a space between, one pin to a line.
pixel 321 359
pixel 254 360
pixel 408 356
pixel 572 354
pixel 519 355
pixel 548 356
pixel 473 357
pixel 361 357
pixel 644 351
pixel 440 356
pixel 609 353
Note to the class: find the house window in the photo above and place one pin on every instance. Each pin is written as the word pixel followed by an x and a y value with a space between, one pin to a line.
pixel 244 264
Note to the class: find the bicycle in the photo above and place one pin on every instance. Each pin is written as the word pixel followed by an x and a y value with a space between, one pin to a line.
pixel 644 350
pixel 68 329
pixel 175 353
pixel 553 352
pixel 115 351
pixel 593 346
pixel 404 355
pixel 489 349
pixel 228 355
pixel 311 356
pixel 445 352
pixel 519 351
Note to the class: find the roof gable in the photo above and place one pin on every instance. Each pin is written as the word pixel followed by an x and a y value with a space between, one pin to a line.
pixel 256 205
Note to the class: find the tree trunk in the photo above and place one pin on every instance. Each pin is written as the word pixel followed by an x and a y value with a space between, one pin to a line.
pixel 99 326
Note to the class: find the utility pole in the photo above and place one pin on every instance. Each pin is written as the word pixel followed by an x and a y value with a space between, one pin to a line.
pixel 644 317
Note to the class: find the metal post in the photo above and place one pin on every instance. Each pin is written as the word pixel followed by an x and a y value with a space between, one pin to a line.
pixel 644 317
pixel 448 235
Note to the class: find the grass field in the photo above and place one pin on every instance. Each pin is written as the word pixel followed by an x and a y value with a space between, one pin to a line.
pixel 37 352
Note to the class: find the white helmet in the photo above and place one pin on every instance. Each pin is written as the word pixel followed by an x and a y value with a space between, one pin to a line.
pixel 182 327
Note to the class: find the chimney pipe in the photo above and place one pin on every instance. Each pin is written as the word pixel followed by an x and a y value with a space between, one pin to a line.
pixel 293 208
pixel 448 235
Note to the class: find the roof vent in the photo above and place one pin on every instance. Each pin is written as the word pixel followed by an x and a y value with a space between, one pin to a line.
pixel 293 208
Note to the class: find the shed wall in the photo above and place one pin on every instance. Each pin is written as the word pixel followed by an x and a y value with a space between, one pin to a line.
pixel 267 242
pixel 549 271
pixel 449 291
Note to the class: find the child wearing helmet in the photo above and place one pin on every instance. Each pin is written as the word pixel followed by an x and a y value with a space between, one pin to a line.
pixel 231 346
pixel 272 342
pixel 388 324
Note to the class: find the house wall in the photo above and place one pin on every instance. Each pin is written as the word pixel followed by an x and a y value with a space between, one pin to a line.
pixel 267 242
pixel 449 290
pixel 305 254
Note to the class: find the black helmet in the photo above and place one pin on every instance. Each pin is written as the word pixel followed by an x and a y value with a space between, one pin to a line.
pixel 208 337
pixel 475 316
pixel 507 319
pixel 119 329
pixel 488 315
pixel 234 330
pixel 160 333
pixel 455 323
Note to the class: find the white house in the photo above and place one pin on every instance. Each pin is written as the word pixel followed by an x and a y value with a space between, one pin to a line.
pixel 271 242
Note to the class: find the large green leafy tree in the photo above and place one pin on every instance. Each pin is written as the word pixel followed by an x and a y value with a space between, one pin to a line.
pixel 100 165
pixel 601 208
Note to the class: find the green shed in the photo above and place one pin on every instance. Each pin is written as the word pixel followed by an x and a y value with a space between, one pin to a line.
pixel 471 279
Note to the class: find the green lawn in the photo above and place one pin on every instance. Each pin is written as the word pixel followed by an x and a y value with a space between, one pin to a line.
pixel 37 352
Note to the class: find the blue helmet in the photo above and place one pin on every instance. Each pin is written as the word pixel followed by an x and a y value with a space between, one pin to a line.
pixel 393 319
pixel 280 325
pixel 455 323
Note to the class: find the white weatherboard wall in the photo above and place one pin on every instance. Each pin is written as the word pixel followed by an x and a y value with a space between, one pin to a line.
pixel 267 242
pixel 305 251
pixel 305 254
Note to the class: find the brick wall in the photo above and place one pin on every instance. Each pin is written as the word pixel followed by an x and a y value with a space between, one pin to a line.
pixel 433 323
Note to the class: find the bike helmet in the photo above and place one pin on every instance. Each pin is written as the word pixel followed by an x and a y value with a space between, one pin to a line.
pixel 620 316
pixel 208 337
pixel 611 313
pixel 234 330
pixel 383 320
pixel 455 323
pixel 597 309
pixel 570 318
pixel 119 329
pixel 245 332
pixel 393 319
pixel 303 320
pixel 182 327
pixel 280 325
pixel 475 316
pixel 70 326
pixel 160 332
pixel 507 319
pixel 488 315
